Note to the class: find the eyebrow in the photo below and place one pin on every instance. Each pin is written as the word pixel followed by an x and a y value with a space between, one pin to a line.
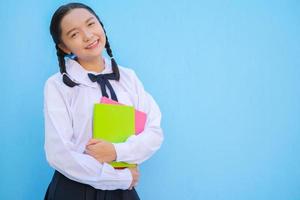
pixel 75 28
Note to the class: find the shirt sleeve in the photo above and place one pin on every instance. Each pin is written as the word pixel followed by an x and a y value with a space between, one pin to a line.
pixel 139 148
pixel 61 153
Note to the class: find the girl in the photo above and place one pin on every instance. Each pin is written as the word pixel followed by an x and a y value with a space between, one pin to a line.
pixel 80 163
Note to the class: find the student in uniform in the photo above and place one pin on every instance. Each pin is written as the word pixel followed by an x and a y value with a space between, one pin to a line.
pixel 80 162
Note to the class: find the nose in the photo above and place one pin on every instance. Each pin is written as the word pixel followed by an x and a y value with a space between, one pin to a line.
pixel 87 35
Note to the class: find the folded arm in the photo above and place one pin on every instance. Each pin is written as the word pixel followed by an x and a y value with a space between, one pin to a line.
pixel 62 155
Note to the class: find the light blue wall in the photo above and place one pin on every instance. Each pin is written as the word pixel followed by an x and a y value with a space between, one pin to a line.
pixel 226 75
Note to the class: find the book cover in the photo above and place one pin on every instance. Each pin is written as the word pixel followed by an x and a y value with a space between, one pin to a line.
pixel 140 117
pixel 114 123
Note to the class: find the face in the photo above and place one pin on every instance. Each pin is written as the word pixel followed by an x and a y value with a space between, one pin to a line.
pixel 82 34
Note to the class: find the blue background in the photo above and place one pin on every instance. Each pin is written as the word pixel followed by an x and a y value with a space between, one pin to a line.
pixel 226 75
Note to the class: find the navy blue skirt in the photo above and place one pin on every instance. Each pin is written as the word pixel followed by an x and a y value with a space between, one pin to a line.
pixel 62 188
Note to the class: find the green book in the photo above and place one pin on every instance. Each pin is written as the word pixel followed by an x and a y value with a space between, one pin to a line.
pixel 114 123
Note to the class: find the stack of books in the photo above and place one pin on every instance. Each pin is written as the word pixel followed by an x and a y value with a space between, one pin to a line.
pixel 115 122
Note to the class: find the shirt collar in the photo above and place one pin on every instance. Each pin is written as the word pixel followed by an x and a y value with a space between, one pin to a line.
pixel 80 75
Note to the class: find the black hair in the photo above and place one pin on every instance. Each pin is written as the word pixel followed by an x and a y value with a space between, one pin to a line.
pixel 55 30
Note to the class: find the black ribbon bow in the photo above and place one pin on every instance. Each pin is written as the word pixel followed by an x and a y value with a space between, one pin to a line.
pixel 103 81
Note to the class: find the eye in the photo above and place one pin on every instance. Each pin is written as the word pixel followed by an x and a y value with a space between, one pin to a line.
pixel 92 23
pixel 74 35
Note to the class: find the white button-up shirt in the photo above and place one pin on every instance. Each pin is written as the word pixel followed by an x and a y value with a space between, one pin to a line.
pixel 68 126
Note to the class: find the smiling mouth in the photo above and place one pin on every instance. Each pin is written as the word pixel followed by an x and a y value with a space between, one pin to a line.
pixel 93 45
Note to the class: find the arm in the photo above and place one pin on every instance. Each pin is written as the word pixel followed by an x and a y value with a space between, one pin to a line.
pixel 62 155
pixel 141 147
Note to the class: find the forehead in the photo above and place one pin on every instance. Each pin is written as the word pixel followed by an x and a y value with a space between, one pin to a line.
pixel 75 18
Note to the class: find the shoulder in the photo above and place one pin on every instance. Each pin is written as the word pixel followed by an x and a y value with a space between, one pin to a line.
pixel 129 75
pixel 54 84
pixel 54 79
pixel 126 72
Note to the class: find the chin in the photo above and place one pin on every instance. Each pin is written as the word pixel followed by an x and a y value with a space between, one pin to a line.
pixel 93 54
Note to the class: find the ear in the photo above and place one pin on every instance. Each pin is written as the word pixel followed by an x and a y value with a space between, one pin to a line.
pixel 64 48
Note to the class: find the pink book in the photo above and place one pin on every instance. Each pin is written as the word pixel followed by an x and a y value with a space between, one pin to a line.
pixel 140 117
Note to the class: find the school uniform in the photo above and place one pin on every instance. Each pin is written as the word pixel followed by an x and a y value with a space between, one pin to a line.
pixel 68 127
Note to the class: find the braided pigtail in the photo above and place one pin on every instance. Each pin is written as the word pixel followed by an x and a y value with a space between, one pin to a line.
pixel 61 61
pixel 109 52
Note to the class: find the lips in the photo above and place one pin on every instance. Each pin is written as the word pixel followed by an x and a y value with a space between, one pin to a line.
pixel 93 44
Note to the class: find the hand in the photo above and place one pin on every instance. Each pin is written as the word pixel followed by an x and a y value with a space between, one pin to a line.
pixel 135 177
pixel 101 150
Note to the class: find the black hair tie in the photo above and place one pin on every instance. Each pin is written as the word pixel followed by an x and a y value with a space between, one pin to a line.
pixel 103 81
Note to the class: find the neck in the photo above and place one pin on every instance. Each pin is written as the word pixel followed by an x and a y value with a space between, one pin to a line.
pixel 97 65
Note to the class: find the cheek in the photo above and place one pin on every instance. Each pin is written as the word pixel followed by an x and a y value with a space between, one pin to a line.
pixel 76 45
pixel 102 40
pixel 102 35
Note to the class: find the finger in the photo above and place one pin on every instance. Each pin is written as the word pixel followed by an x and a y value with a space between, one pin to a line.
pixel 94 147
pixel 93 141
pixel 90 147
pixel 89 152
